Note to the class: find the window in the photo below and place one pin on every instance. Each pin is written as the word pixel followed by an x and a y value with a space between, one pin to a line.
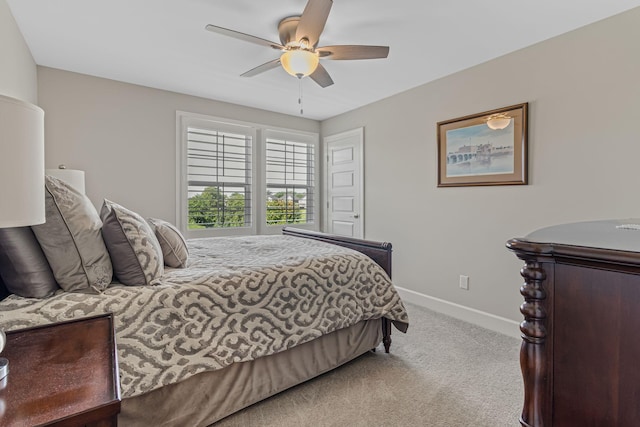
pixel 219 179
pixel 290 179
pixel 240 178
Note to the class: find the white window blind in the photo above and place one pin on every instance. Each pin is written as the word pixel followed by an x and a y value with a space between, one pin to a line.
pixel 290 179
pixel 240 178
pixel 219 171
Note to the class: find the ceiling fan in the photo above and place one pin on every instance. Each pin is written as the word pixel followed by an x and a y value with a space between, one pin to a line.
pixel 299 37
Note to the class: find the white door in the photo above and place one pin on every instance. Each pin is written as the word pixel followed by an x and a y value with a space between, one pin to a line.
pixel 344 183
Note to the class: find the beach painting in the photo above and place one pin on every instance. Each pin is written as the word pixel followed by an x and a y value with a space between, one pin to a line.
pixel 479 150
pixel 488 148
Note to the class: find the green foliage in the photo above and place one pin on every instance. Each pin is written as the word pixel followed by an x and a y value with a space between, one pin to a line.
pixel 280 211
pixel 213 209
pixel 234 210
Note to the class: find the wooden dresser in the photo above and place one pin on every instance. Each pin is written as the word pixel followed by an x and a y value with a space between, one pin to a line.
pixel 63 374
pixel 580 354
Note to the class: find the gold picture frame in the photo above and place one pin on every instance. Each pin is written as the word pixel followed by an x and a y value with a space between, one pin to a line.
pixel 488 148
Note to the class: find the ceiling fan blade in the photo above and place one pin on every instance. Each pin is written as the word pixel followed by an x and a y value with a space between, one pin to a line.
pixel 312 20
pixel 242 36
pixel 262 68
pixel 353 52
pixel 321 76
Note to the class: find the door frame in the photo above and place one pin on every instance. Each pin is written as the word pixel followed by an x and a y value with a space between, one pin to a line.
pixel 326 140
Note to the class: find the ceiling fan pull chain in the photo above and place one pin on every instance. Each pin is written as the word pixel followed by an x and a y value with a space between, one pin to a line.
pixel 300 95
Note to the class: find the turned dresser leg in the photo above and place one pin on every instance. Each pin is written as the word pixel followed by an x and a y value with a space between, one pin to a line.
pixel 533 352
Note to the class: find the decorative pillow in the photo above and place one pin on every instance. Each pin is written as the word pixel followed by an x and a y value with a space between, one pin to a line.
pixel 23 266
pixel 134 248
pixel 71 239
pixel 174 247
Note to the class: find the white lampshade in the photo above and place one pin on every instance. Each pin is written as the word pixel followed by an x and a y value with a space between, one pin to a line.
pixel 74 178
pixel 299 62
pixel 21 163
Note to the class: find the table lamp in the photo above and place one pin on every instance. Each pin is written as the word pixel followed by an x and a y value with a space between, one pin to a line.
pixel 73 177
pixel 21 171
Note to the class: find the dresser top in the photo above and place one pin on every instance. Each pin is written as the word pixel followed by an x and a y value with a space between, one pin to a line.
pixel 619 235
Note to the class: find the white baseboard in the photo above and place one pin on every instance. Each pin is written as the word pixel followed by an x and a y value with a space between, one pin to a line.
pixel 481 318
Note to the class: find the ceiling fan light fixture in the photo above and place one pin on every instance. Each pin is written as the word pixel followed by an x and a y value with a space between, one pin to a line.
pixel 299 62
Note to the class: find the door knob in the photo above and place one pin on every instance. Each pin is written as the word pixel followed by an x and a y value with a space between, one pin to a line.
pixel 356 216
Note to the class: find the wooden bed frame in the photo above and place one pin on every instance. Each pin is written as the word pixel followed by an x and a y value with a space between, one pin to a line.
pixel 379 252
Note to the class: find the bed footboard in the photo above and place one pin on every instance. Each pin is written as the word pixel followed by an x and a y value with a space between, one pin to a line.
pixel 379 252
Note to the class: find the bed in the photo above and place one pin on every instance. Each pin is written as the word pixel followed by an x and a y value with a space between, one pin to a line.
pixel 245 318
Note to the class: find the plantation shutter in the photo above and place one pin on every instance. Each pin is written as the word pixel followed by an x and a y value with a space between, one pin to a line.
pixel 290 179
pixel 219 178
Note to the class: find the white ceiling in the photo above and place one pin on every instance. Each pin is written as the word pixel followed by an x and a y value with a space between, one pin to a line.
pixel 163 43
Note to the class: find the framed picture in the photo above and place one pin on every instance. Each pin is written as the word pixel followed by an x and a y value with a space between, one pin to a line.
pixel 489 148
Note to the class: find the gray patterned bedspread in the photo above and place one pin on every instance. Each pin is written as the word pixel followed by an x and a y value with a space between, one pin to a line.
pixel 240 298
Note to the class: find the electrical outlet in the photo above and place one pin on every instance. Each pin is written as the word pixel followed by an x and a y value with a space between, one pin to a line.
pixel 464 282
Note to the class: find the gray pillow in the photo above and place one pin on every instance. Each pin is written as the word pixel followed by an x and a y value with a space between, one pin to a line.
pixel 23 266
pixel 134 248
pixel 71 239
pixel 174 247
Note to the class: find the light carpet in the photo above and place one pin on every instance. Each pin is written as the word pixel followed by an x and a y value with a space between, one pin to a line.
pixel 443 373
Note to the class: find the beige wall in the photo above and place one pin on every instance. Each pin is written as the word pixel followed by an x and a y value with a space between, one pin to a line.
pixel 583 90
pixel 18 76
pixel 124 136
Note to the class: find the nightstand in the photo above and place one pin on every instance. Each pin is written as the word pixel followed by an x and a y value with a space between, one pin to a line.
pixel 63 374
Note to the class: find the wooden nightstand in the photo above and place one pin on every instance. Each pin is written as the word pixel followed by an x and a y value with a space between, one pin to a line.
pixel 63 374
